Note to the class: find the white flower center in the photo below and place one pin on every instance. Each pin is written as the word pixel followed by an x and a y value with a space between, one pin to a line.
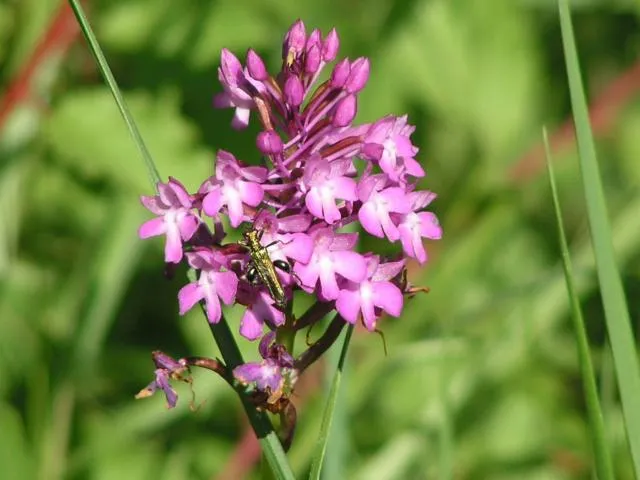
pixel 390 148
pixel 325 263
pixel 366 292
pixel 207 282
pixel 171 217
pixel 379 202
pixel 412 221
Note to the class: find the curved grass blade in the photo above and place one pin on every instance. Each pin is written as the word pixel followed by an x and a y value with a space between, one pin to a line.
pixel 601 453
pixel 615 306
pixel 327 417
pixel 261 424
pixel 103 66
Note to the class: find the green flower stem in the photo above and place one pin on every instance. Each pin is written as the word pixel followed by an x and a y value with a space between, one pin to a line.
pixel 286 335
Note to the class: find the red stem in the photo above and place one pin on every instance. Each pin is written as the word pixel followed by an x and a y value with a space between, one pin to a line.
pixel 62 32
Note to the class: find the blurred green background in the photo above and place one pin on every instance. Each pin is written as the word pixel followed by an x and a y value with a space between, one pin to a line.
pixel 481 380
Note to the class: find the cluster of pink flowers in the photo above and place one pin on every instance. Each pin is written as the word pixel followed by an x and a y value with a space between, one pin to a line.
pixel 319 174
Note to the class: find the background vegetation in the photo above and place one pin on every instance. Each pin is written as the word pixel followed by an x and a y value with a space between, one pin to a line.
pixel 481 379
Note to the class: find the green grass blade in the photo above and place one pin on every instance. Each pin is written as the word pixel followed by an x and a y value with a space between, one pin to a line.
pixel 615 305
pixel 602 457
pixel 336 457
pixel 327 417
pixel 103 66
pixel 261 424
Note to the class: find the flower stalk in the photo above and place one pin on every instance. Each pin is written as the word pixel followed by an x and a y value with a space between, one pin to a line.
pixel 318 173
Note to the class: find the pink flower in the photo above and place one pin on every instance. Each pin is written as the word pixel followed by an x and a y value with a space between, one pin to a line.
pixel 388 143
pixel 261 311
pixel 176 219
pixel 332 256
pixel 320 173
pixel 232 186
pixel 212 285
pixel 377 203
pixel 238 87
pixel 416 225
pixel 275 375
pixel 375 294
pixel 285 235
pixel 324 182
pixel 166 369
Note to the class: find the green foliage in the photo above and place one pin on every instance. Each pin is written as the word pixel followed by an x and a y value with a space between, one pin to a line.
pixel 482 378
pixel 602 458
pixel 329 411
pixel 618 321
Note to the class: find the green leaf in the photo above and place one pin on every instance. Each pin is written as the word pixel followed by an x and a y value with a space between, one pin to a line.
pixel 616 312
pixel 598 435
pixel 327 417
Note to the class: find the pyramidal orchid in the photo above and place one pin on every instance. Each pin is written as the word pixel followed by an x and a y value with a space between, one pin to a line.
pixel 315 175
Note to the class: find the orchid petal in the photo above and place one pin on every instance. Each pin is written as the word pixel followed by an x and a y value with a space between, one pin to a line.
pixel 251 326
pixel 212 202
pixel 348 305
pixel 188 296
pixel 387 296
pixel 226 286
pixel 350 265
pixel 152 228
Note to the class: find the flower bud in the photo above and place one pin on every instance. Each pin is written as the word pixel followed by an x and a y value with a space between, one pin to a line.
pixel 269 142
pixel 314 39
pixel 345 111
pixel 293 91
pixel 330 46
pixel 340 74
pixel 294 42
pixel 312 60
pixel 358 75
pixel 256 67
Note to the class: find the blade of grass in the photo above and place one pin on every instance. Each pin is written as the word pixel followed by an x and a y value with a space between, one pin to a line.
pixel 231 354
pixel 601 453
pixel 327 417
pixel 103 66
pixel 615 305
pixel 336 456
